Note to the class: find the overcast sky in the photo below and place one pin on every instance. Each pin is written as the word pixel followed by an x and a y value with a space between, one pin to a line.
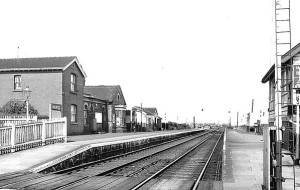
pixel 180 56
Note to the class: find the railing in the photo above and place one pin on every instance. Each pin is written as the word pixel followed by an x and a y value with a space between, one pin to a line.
pixel 8 120
pixel 20 137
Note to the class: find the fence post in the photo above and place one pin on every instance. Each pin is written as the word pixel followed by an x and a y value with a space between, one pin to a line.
pixel 65 128
pixel 43 133
pixel 13 140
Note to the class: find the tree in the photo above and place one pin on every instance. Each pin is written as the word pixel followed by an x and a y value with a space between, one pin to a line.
pixel 18 107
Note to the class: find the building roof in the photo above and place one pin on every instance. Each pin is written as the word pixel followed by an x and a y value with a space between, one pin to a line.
pixel 138 109
pixel 89 97
pixel 152 111
pixel 149 111
pixel 104 92
pixel 286 57
pixel 38 64
pixel 268 74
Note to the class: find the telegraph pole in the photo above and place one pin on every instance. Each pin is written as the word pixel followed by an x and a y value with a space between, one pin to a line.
pixel 165 121
pixel 237 120
pixel 141 117
pixel 229 119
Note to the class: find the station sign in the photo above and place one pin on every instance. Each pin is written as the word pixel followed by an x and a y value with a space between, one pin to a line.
pixel 296 83
pixel 56 107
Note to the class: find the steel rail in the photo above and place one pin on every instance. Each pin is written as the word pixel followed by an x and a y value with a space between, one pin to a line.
pixel 206 164
pixel 144 157
pixel 117 156
pixel 116 168
pixel 169 165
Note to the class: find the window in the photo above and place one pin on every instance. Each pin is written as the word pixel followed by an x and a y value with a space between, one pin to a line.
pixel 73 113
pixel 286 79
pixel 272 90
pixel 118 98
pixel 118 113
pixel 283 81
pixel 73 82
pixel 17 82
pixel 84 117
pixel 85 113
pixel 296 75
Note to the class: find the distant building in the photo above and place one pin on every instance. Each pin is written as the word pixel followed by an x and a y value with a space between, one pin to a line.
pixel 56 85
pixel 116 110
pixel 153 118
pixel 139 119
pixel 147 116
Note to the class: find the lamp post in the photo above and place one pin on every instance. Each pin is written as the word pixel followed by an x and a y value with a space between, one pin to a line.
pixel 141 116
pixel 27 92
pixel 202 110
pixel 237 119
pixel 229 119
pixel 165 122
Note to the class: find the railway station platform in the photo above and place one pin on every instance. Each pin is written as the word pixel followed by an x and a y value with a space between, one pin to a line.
pixel 243 160
pixel 243 163
pixel 26 160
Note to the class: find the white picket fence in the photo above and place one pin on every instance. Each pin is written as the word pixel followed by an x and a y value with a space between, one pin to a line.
pixel 19 137
pixel 7 120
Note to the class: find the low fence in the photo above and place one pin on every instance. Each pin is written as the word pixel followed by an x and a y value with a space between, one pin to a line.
pixel 20 137
pixel 8 120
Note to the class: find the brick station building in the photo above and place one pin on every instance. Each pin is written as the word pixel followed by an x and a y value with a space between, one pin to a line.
pixel 116 110
pixel 57 89
pixel 56 85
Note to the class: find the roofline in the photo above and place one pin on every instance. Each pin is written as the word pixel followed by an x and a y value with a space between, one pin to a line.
pixel 108 86
pixel 144 110
pixel 268 74
pixel 92 97
pixel 78 64
pixel 284 58
pixel 32 69
pixel 93 86
pixel 47 68
pixel 138 109
pixel 291 53
pixel 150 107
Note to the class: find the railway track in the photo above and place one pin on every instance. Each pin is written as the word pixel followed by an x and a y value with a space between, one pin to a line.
pixel 189 167
pixel 172 165
pixel 112 165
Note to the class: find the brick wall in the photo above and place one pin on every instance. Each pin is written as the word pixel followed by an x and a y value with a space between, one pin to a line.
pixel 46 88
pixel 75 98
